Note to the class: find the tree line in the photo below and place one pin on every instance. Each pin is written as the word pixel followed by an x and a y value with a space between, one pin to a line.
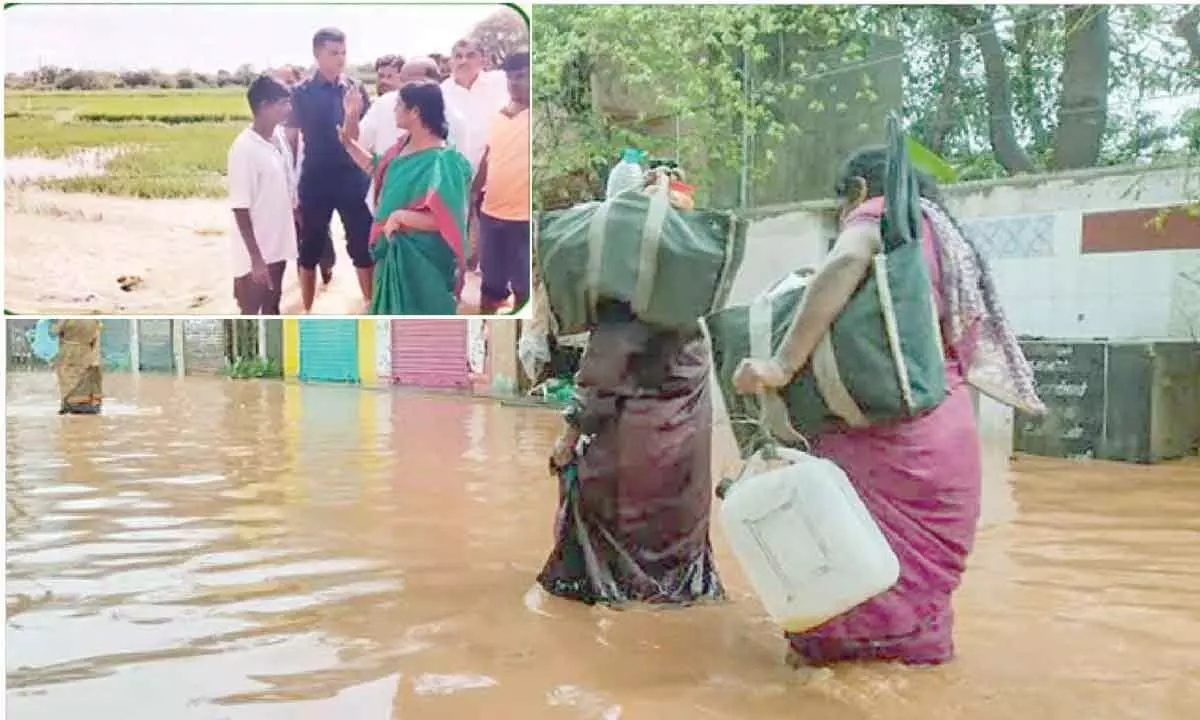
pixel 50 77
pixel 500 33
pixel 995 90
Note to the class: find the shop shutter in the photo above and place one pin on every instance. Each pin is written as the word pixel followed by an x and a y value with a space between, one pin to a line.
pixel 430 353
pixel 329 351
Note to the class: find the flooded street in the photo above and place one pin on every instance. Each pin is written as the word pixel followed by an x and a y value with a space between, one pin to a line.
pixel 219 549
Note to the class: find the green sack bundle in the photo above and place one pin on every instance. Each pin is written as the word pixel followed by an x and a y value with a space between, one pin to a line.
pixel 672 266
pixel 881 360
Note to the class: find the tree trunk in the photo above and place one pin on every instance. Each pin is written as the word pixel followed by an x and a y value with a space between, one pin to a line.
pixel 1027 103
pixel 1009 153
pixel 1083 100
pixel 944 119
pixel 1188 28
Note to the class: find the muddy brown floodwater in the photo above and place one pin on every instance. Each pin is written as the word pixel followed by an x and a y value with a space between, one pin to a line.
pixel 218 549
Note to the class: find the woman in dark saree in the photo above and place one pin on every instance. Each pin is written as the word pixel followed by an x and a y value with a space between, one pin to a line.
pixel 634 503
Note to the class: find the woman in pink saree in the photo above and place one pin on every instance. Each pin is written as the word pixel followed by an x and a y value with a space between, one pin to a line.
pixel 920 477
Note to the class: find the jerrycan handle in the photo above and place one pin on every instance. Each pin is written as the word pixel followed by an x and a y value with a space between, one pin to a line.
pixel 769 448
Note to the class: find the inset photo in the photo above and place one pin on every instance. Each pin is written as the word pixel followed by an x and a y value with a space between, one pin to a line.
pixel 267 160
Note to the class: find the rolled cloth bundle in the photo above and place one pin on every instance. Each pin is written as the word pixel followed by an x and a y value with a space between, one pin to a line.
pixel 671 266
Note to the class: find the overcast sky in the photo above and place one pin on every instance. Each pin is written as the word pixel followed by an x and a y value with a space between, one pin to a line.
pixel 206 39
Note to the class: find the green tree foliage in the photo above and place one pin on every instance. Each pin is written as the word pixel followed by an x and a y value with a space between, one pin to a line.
pixel 610 76
pixel 994 90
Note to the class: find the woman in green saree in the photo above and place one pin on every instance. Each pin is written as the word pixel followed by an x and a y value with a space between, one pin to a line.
pixel 80 383
pixel 422 195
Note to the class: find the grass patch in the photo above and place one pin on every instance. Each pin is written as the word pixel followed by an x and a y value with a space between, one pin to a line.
pixel 156 161
pixel 152 118
pixel 132 105
pixel 173 143
pixel 252 368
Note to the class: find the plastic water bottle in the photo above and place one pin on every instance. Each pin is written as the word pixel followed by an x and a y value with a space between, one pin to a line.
pixel 627 175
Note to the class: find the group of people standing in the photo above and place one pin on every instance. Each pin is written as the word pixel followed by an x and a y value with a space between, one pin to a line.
pixel 634 458
pixel 428 179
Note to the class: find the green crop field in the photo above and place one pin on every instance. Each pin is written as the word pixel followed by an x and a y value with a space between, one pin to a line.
pixel 170 143
pixel 126 105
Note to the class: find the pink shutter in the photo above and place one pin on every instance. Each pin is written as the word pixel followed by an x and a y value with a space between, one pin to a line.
pixel 430 353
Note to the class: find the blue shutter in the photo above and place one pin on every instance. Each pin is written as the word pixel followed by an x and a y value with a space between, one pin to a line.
pixel 329 351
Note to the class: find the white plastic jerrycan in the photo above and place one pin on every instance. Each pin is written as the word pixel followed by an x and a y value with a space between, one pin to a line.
pixel 805 539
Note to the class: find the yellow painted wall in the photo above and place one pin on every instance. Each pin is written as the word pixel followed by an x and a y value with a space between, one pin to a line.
pixel 366 353
pixel 291 348
pixel 295 487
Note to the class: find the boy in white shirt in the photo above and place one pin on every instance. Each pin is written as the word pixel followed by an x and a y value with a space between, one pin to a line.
pixel 262 194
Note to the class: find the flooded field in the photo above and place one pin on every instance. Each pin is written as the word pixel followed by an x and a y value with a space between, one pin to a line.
pixel 216 549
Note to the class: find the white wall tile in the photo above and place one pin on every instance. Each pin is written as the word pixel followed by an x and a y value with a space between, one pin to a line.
pixel 1094 308
pixel 1039 276
pixel 1064 280
pixel 1068 233
pixel 1063 316
pixel 1094 275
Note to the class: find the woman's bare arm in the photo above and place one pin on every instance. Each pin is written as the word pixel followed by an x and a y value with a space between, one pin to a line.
pixel 417 220
pixel 363 159
pixel 828 292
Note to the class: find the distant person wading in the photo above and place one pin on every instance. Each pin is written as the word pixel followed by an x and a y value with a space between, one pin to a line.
pixel 80 381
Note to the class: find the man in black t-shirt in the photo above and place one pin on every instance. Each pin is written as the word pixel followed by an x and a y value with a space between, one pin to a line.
pixel 329 179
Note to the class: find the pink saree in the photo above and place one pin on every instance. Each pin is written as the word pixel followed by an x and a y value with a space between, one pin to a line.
pixel 920 478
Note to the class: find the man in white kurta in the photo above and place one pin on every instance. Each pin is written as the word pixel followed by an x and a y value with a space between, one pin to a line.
pixel 477 96
pixel 377 132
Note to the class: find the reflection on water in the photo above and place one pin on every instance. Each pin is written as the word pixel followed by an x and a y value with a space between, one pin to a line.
pixel 219 549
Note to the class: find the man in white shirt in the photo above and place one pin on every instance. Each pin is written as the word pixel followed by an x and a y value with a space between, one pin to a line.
pixel 377 132
pixel 263 196
pixel 476 96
